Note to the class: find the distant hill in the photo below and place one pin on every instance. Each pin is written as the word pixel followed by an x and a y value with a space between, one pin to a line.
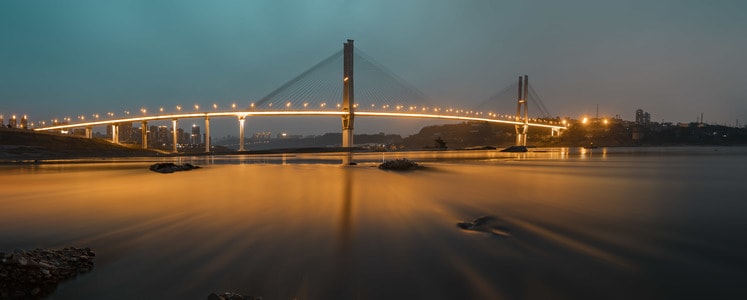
pixel 17 144
pixel 462 135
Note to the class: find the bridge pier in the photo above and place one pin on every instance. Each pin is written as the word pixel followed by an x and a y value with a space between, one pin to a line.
pixel 89 132
pixel 174 135
pixel 554 131
pixel 144 134
pixel 241 133
pixel 207 134
pixel 521 130
pixel 348 102
pixel 115 133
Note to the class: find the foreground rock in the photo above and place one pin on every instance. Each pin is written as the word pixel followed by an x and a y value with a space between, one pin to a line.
pixel 35 274
pixel 487 224
pixel 231 296
pixel 402 164
pixel 171 167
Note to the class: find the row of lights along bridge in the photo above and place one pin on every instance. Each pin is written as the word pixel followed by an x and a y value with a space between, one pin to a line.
pixel 269 106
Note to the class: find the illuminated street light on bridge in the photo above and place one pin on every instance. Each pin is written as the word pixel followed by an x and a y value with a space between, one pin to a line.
pixel 160 109
pixel 288 105
pixel 251 105
pixel 215 106
pixel 179 108
pixel 306 104
pixel 143 110
pixel 197 107
pixel 233 106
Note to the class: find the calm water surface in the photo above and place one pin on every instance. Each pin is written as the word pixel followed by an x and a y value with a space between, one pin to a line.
pixel 623 223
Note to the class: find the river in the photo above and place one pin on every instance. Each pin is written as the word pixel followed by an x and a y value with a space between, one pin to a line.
pixel 611 223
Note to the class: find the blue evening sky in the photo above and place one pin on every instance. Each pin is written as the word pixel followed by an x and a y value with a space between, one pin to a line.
pixel 674 59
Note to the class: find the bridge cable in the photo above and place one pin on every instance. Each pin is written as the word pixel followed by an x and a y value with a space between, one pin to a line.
pixel 544 112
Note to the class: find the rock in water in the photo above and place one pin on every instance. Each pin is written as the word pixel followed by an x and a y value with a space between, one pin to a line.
pixel 171 167
pixel 516 149
pixel 402 164
pixel 231 296
pixel 484 224
pixel 35 274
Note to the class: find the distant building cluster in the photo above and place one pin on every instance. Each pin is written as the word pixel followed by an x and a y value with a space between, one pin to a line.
pixel 14 122
pixel 157 136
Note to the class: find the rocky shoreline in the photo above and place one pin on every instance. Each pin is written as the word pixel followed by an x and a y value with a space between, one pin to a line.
pixel 36 273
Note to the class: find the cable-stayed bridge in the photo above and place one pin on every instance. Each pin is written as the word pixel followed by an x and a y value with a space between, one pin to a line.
pixel 347 84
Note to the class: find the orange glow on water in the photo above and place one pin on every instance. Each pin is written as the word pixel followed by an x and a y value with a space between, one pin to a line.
pixel 327 231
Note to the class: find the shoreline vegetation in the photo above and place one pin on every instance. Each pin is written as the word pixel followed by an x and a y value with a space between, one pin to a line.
pixel 19 146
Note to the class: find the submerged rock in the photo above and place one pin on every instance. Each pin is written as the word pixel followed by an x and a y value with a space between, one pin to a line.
pixel 487 224
pixel 516 149
pixel 476 222
pixel 231 296
pixel 35 274
pixel 402 164
pixel 171 167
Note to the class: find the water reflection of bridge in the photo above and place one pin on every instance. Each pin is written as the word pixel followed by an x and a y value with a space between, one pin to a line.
pixel 380 94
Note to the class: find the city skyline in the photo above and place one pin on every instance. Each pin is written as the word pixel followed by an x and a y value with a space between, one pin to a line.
pixel 676 60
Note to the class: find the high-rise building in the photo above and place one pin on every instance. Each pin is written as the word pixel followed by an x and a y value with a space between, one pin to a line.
pixel 125 133
pixel 182 137
pixel 195 138
pixel 2 122
pixel 152 135
pixel 137 136
pixel 25 122
pixel 642 118
pixel 12 122
pixel 163 136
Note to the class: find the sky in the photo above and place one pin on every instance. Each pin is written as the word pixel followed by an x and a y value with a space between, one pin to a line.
pixel 674 59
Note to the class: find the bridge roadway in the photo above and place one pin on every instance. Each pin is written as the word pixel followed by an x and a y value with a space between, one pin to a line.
pixel 241 115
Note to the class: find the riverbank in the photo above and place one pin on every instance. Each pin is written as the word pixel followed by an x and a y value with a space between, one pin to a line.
pixel 28 146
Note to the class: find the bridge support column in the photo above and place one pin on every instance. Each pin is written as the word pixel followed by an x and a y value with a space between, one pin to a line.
pixel 241 133
pixel 521 129
pixel 174 135
pixel 89 132
pixel 207 134
pixel 348 102
pixel 115 133
pixel 144 134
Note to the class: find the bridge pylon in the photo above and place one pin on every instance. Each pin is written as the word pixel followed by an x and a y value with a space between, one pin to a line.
pixel 348 101
pixel 522 129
